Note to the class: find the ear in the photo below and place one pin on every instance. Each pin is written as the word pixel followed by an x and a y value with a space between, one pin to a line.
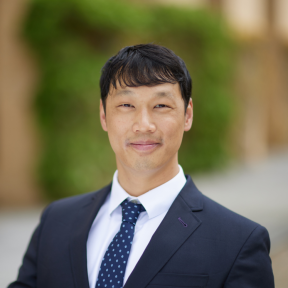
pixel 188 116
pixel 103 116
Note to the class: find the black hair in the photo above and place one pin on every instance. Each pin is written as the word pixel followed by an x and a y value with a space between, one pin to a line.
pixel 145 64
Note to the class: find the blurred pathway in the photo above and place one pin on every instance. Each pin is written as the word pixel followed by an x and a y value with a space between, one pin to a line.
pixel 16 227
pixel 259 192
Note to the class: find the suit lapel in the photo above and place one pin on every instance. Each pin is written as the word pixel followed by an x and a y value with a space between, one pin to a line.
pixel 178 224
pixel 81 228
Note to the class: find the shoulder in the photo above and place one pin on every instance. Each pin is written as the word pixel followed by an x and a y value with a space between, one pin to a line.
pixel 213 209
pixel 213 215
pixel 68 206
pixel 225 223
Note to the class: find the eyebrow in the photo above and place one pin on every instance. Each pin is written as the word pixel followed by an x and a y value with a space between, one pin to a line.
pixel 164 94
pixel 124 92
pixel 158 94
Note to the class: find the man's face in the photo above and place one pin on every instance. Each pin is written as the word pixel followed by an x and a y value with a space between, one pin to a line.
pixel 145 125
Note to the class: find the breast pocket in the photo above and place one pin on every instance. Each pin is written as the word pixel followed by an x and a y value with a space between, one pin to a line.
pixel 169 280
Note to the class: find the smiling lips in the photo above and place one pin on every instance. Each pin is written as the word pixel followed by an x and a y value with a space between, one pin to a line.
pixel 144 145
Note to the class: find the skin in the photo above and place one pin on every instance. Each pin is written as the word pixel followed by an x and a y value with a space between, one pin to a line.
pixel 145 126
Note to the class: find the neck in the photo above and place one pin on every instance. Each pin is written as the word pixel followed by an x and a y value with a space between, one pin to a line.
pixel 137 183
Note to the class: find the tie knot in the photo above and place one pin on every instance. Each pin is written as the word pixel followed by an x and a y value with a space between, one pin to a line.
pixel 131 211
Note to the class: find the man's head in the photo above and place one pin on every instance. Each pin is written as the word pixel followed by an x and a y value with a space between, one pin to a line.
pixel 145 65
pixel 145 107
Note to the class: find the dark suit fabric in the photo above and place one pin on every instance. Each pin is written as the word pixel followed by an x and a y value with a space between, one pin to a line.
pixel 216 248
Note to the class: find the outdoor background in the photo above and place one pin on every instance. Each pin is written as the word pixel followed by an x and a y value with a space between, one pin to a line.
pixel 51 142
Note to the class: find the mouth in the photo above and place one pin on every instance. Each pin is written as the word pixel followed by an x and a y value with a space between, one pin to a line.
pixel 144 145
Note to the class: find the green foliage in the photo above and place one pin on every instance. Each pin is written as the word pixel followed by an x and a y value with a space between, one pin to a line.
pixel 74 38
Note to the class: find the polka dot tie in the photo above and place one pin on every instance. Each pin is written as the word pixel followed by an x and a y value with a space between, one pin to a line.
pixel 112 270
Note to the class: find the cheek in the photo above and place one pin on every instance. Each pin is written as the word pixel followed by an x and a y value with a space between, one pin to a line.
pixel 173 129
pixel 117 129
pixel 116 120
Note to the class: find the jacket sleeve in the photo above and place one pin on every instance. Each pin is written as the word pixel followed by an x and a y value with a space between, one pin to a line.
pixel 252 267
pixel 27 277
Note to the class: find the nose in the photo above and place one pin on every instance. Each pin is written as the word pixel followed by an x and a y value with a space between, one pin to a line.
pixel 144 123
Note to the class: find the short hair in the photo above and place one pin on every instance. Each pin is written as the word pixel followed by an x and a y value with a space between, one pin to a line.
pixel 145 65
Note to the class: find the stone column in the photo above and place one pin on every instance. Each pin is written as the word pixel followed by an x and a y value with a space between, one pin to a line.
pixel 18 140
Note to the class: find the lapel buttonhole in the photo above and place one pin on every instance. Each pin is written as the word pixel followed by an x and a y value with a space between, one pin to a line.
pixel 182 222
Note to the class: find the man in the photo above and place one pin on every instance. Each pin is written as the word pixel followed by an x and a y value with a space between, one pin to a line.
pixel 151 227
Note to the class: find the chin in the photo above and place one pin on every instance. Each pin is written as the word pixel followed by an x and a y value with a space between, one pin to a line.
pixel 145 165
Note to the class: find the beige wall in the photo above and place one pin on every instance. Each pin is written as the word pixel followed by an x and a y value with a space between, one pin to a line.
pixel 249 17
pixel 261 75
pixel 246 17
pixel 18 148
pixel 281 23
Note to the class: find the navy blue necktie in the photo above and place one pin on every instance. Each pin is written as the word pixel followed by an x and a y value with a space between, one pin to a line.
pixel 112 270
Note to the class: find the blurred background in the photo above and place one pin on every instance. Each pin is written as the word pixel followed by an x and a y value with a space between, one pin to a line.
pixel 51 141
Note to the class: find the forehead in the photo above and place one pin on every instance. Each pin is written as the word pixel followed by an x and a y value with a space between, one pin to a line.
pixel 167 90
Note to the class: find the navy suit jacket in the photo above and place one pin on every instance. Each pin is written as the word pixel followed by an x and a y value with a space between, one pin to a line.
pixel 199 243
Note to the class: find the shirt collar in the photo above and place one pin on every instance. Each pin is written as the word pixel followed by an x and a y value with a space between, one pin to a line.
pixel 155 201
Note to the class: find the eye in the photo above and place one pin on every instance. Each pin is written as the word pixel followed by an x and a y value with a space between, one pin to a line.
pixel 161 106
pixel 126 105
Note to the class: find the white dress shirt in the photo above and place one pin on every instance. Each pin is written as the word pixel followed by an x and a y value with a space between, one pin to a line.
pixel 109 218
